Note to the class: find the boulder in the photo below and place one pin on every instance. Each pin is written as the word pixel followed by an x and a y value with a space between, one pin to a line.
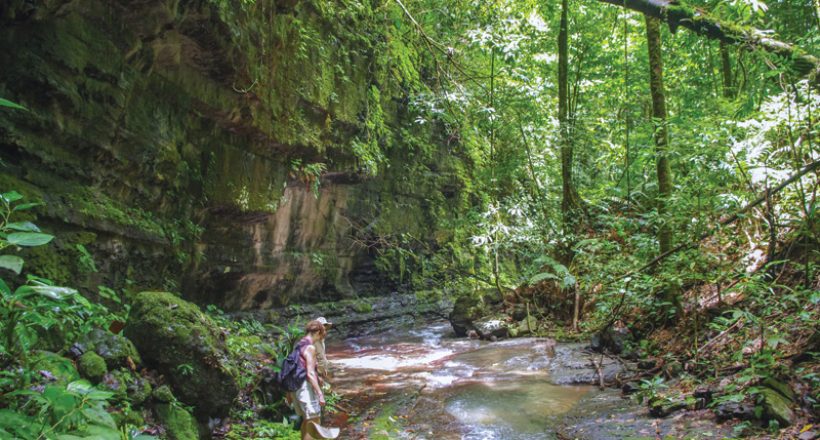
pixel 179 424
pixel 115 349
pixel 489 327
pixel 170 332
pixel 776 407
pixel 465 310
pixel 92 366
pixel 734 410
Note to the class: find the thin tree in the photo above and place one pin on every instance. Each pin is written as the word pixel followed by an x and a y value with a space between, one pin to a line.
pixel 659 117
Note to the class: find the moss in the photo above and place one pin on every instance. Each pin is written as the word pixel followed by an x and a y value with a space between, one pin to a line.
pixel 170 332
pixel 163 394
pixel 92 366
pixel 115 349
pixel 362 306
pixel 61 368
pixel 776 407
pixel 179 424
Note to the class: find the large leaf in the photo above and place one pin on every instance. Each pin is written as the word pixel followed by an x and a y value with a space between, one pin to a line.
pixel 25 206
pixel 23 227
pixel 9 104
pixel 12 263
pixel 54 292
pixel 29 238
pixel 11 196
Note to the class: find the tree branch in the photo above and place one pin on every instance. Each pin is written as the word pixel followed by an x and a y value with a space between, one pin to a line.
pixel 677 13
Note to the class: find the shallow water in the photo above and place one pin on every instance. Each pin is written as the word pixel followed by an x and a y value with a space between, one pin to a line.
pixel 426 384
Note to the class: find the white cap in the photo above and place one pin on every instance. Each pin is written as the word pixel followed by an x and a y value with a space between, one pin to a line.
pixel 323 321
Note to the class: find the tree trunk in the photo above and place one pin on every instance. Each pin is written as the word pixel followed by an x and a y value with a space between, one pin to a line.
pixel 726 70
pixel 569 202
pixel 653 36
pixel 677 13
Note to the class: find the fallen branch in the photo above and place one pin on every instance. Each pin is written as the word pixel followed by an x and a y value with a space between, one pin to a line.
pixel 676 13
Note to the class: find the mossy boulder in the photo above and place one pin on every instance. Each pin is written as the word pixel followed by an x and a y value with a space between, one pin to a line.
pixel 776 407
pixel 170 332
pixel 467 308
pixel 179 424
pixel 54 366
pixel 128 386
pixel 92 366
pixel 115 349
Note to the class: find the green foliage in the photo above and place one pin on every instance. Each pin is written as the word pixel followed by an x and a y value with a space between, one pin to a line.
pixel 38 314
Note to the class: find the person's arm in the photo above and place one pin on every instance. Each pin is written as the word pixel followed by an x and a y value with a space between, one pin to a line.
pixel 313 379
pixel 321 358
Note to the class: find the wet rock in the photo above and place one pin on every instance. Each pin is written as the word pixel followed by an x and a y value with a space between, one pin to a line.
pixel 776 407
pixel 472 334
pixel 573 365
pixel 466 309
pixel 488 328
pixel 179 424
pixel 92 366
pixel 115 349
pixel 735 410
pixel 170 332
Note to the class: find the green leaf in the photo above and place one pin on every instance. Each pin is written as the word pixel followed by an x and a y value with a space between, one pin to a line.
pixel 11 196
pixel 29 238
pixel 12 263
pixel 23 227
pixel 9 104
pixel 53 292
pixel 99 416
pixel 4 288
pixel 25 206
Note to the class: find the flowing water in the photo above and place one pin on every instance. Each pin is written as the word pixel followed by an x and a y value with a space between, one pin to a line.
pixel 427 384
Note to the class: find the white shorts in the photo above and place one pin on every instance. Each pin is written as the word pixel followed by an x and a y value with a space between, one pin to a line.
pixel 306 403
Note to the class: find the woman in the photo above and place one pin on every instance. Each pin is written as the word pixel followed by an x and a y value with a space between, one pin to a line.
pixel 309 397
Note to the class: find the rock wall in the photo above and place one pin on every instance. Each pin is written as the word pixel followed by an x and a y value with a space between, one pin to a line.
pixel 179 145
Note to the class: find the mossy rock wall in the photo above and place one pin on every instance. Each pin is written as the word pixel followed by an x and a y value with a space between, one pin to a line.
pixel 173 142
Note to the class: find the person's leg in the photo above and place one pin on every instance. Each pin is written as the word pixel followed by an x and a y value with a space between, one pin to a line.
pixel 304 430
pixel 310 431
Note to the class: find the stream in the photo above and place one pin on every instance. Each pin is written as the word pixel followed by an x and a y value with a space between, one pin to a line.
pixel 425 383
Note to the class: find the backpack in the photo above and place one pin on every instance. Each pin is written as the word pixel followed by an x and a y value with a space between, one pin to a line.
pixel 292 373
